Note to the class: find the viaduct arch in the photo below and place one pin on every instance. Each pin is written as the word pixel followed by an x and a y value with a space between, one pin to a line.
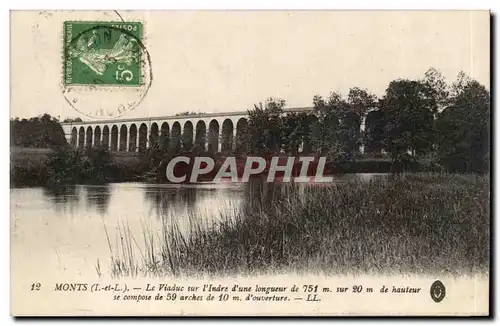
pixel 217 132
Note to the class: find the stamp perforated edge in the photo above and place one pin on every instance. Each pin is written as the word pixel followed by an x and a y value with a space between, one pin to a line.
pixel 102 86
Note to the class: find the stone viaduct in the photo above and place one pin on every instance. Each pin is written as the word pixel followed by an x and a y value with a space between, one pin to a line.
pixel 136 134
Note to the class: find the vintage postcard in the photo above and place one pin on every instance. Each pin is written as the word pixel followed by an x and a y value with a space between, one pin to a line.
pixel 250 163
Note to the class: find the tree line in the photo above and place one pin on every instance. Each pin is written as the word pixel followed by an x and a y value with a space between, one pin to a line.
pixel 37 132
pixel 448 124
pixel 414 120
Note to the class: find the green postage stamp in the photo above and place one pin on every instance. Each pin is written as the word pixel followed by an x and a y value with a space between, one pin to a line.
pixel 102 53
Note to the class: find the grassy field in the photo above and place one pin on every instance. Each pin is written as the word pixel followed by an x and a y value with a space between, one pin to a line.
pixel 27 157
pixel 412 223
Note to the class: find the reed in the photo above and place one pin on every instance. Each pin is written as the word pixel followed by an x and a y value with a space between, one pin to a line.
pixel 412 223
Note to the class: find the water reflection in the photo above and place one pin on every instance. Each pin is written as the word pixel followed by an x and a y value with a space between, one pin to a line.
pixel 180 204
pixel 73 221
pixel 62 194
pixel 259 192
pixel 167 200
pixel 98 197
pixel 63 198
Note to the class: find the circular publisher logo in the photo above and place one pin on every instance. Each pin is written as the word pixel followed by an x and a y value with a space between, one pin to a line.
pixel 438 291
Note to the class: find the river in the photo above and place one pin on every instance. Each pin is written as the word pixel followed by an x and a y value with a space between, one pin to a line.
pixel 63 231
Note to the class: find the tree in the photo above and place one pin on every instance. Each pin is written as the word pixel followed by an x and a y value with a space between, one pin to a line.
pixel 187 139
pixel 293 132
pixel 464 128
pixel 72 120
pixel 307 121
pixel 187 113
pixel 264 129
pixel 325 132
pixel 64 166
pixel 97 164
pixel 336 132
pixel 358 102
pixel 409 108
pixel 164 142
pixel 374 132
pixel 296 132
pixel 38 132
pixel 438 87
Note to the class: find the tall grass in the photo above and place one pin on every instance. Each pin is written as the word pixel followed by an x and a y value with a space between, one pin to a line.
pixel 412 223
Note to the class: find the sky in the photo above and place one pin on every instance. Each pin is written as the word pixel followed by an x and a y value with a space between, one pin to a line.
pixel 220 61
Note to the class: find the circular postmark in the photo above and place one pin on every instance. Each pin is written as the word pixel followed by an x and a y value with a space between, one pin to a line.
pixel 106 67
pixel 438 291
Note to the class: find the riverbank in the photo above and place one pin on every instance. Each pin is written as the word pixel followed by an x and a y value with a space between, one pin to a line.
pixel 47 167
pixel 410 224
pixel 35 167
